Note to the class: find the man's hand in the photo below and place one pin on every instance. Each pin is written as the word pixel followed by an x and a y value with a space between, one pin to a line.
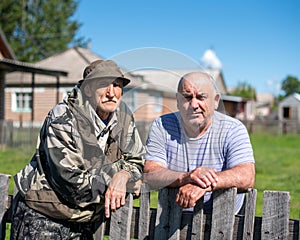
pixel 203 177
pixel 116 192
pixel 188 195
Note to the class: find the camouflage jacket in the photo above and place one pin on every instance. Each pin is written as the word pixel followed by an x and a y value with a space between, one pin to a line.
pixel 68 174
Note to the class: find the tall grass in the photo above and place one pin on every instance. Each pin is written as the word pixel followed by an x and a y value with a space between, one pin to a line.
pixel 277 167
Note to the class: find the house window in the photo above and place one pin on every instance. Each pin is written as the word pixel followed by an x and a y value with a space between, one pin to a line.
pixel 22 102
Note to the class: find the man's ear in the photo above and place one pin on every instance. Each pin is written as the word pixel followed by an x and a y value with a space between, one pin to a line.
pixel 87 90
pixel 217 100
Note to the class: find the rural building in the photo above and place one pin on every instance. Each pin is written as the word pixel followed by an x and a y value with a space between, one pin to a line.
pixel 147 100
pixel 289 108
pixel 168 80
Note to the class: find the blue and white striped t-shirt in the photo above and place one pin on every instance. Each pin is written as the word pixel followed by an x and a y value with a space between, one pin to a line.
pixel 224 145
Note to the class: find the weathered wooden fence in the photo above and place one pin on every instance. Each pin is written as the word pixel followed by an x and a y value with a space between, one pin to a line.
pixel 14 134
pixel 165 222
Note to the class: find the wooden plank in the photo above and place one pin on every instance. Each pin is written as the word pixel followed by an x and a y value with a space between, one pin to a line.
pixel 162 215
pixel 144 213
pixel 275 217
pixel 4 183
pixel 120 221
pixel 175 215
pixel 99 234
pixel 168 217
pixel 197 224
pixel 249 214
pixel 223 214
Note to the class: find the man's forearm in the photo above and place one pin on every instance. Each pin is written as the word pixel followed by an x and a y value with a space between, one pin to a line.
pixel 163 177
pixel 242 177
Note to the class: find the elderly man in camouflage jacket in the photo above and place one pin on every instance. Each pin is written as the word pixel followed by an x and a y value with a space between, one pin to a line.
pixel 89 154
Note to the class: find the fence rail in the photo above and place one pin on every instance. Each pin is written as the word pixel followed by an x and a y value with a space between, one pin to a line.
pixel 13 134
pixel 168 221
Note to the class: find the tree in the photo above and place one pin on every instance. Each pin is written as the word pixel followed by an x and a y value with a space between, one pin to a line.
pixel 244 90
pixel 290 85
pixel 37 29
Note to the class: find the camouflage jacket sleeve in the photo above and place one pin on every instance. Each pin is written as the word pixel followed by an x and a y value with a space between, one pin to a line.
pixel 132 159
pixel 66 169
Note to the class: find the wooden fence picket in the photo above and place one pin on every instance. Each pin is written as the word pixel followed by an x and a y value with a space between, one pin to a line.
pixel 165 222
pixel 275 217
pixel 4 183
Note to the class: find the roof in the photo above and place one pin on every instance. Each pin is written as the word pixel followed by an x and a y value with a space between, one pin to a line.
pixel 73 61
pixel 10 65
pixel 232 98
pixel 168 78
pixel 293 99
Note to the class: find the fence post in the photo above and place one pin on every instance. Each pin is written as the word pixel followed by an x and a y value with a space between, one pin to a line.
pixel 120 221
pixel 223 215
pixel 167 209
pixel 4 183
pixel 275 217
pixel 197 224
pixel 249 214
pixel 144 213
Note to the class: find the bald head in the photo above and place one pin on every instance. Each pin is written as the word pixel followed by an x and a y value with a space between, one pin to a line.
pixel 198 79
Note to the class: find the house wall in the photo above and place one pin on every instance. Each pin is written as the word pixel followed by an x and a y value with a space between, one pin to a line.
pixel 147 104
pixel 44 101
pixel 170 105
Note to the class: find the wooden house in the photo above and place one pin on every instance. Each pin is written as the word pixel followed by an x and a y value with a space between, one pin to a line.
pixel 289 108
pixel 10 65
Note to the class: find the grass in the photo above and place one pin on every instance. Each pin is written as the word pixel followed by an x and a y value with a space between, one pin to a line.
pixel 277 167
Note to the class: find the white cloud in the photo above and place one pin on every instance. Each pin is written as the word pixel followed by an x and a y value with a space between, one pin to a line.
pixel 210 60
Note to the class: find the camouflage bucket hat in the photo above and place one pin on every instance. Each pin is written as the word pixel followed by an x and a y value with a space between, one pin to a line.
pixel 105 72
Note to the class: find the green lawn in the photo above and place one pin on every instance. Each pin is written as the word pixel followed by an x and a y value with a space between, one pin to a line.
pixel 277 167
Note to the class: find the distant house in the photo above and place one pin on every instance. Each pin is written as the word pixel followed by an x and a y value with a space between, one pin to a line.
pixel 8 64
pixel 168 80
pixel 263 104
pixel 147 100
pixel 289 108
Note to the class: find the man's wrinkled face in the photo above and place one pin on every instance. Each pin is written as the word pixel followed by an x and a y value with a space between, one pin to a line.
pixel 197 100
pixel 105 99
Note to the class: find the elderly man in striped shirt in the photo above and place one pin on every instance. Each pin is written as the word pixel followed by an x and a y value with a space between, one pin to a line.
pixel 199 149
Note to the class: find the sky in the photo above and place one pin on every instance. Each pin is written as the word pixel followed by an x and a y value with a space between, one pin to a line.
pixel 257 42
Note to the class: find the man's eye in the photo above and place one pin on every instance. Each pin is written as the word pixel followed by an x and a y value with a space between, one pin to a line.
pixel 117 84
pixel 187 97
pixel 201 97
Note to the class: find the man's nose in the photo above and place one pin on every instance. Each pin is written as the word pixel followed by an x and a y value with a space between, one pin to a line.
pixel 110 92
pixel 194 103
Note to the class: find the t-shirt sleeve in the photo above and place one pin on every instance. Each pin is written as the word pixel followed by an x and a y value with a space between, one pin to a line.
pixel 156 143
pixel 239 148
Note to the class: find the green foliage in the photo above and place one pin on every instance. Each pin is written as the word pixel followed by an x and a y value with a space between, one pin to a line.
pixel 290 85
pixel 38 29
pixel 244 90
